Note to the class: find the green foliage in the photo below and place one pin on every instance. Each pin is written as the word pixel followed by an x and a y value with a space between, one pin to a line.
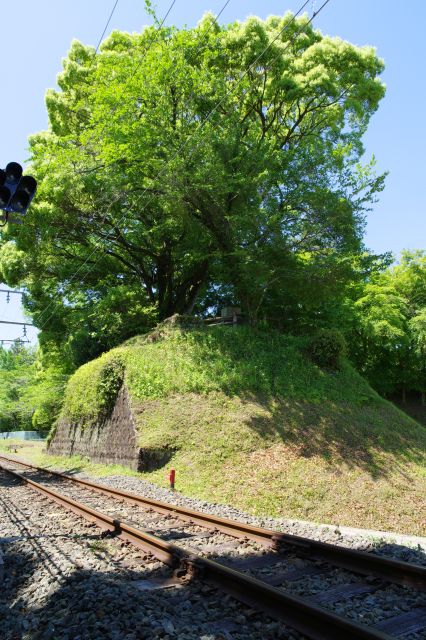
pixel 17 374
pixel 417 326
pixel 46 395
pixel 110 381
pixel 222 165
pixel 92 390
pixel 387 338
pixel 30 397
pixel 12 263
pixel 236 361
pixel 327 348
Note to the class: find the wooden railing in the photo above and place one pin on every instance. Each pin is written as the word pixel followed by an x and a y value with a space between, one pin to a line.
pixel 230 320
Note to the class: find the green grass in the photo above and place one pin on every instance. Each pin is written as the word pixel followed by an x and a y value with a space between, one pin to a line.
pixel 248 419
pixel 35 452
pixel 235 361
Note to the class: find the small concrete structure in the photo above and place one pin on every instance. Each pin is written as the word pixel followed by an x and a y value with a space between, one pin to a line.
pixel 229 312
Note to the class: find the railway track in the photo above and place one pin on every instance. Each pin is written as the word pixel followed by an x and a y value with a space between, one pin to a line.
pixel 259 567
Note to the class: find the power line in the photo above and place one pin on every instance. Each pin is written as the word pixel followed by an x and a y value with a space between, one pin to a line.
pixel 106 27
pixel 22 324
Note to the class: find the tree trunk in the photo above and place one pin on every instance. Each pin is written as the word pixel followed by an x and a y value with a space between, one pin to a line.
pixel 180 296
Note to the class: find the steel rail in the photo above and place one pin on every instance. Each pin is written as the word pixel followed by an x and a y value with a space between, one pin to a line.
pixel 231 527
pixel 362 562
pixel 311 620
pixel 164 551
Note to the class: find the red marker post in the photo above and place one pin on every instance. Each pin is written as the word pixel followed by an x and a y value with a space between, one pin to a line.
pixel 171 477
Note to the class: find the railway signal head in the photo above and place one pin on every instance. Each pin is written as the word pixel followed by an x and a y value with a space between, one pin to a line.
pixel 13 173
pixel 16 191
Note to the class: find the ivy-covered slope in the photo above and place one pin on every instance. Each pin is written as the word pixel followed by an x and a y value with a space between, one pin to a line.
pixel 248 419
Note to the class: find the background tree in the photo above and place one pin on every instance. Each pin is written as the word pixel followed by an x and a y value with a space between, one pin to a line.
pixel 17 373
pixel 387 336
pixel 409 279
pixel 31 388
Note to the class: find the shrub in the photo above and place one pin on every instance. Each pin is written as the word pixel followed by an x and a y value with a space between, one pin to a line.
pixel 109 383
pixel 327 348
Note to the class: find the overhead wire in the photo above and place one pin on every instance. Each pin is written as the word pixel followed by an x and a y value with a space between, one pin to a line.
pixel 106 26
pixel 99 245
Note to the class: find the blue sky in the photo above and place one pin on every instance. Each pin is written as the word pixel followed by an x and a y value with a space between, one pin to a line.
pixel 37 36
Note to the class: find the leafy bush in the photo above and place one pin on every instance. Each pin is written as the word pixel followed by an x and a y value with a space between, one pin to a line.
pixel 327 348
pixel 109 383
pixel 43 417
pixel 92 390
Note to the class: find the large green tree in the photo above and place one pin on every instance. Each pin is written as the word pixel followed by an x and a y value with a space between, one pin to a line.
pixel 181 164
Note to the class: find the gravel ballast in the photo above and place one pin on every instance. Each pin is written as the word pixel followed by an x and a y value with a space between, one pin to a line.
pixel 401 547
pixel 64 581
pixel 90 583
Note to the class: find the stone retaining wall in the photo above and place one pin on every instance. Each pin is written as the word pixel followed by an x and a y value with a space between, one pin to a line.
pixel 111 441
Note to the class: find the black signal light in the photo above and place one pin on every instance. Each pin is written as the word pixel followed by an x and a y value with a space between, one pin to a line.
pixel 16 190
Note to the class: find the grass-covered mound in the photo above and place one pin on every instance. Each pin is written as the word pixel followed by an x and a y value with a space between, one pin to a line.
pixel 250 420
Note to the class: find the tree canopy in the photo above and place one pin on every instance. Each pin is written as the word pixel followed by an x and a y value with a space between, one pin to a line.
pixel 184 167
pixel 388 334
pixel 31 389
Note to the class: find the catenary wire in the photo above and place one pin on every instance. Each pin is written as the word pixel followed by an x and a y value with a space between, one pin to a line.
pixel 106 27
